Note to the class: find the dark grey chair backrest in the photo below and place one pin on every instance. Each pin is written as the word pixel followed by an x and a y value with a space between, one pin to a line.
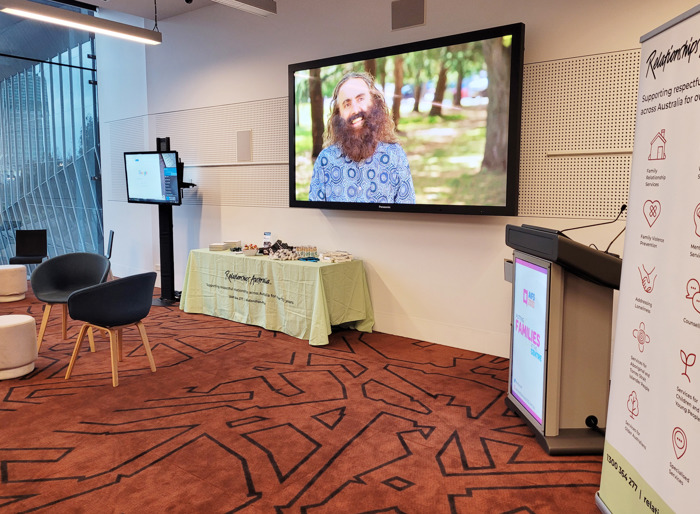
pixel 122 301
pixel 53 280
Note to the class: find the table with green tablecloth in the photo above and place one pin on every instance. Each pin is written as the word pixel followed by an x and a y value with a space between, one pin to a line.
pixel 300 298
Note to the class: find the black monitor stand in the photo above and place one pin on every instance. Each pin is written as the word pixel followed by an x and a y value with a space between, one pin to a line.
pixel 168 295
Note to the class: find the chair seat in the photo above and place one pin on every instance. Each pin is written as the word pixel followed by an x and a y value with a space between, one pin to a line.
pixel 27 259
pixel 56 296
pixel 59 295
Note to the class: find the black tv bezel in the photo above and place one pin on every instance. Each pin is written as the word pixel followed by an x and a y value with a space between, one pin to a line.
pixel 517 31
pixel 129 199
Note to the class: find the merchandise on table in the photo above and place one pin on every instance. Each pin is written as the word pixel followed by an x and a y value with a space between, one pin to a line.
pixel 250 249
pixel 281 251
pixel 305 251
pixel 336 256
pixel 284 254
pixel 234 246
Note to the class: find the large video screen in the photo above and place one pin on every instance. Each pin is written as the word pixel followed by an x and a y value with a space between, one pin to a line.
pixel 431 126
pixel 151 177
pixel 529 338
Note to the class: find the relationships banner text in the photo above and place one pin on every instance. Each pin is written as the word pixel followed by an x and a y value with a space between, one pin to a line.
pixel 652 450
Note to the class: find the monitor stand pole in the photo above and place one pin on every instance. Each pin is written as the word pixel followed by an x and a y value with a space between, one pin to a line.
pixel 168 295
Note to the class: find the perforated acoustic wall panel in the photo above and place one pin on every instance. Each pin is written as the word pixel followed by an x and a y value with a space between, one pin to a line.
pixel 124 136
pixel 206 142
pixel 577 135
pixel 576 149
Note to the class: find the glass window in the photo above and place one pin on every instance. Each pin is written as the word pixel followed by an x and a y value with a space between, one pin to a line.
pixel 49 165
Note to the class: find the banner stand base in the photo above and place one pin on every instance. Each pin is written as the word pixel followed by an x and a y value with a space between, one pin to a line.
pixel 573 441
pixel 570 441
pixel 601 506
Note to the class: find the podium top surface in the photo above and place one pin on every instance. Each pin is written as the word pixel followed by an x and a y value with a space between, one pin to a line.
pixel 594 265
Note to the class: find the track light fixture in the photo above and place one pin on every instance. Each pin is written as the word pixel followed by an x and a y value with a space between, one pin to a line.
pixel 66 18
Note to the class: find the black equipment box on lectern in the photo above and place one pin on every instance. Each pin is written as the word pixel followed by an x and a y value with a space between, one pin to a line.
pixel 561 332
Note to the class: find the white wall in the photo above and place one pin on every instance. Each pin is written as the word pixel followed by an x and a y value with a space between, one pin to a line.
pixel 122 86
pixel 432 277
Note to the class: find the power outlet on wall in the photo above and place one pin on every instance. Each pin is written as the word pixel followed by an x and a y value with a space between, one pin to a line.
pixel 157 267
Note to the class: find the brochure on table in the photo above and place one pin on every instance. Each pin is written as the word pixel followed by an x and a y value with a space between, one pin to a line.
pixel 651 461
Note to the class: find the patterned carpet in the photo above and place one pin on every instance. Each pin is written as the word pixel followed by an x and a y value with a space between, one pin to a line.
pixel 240 419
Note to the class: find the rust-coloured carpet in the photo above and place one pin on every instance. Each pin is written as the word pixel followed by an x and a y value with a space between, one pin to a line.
pixel 240 419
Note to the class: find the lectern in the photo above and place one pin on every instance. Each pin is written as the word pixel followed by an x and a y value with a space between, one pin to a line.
pixel 561 331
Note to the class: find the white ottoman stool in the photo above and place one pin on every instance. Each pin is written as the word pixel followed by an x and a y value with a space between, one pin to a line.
pixel 18 349
pixel 13 282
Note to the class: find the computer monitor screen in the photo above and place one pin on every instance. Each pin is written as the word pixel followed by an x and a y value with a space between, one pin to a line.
pixel 151 177
pixel 529 337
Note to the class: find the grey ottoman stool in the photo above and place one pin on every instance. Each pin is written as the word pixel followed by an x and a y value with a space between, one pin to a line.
pixel 13 282
pixel 18 349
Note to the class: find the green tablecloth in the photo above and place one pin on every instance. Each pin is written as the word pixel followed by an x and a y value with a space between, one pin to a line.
pixel 302 299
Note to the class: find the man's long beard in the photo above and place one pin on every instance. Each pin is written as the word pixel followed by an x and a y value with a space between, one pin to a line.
pixel 359 143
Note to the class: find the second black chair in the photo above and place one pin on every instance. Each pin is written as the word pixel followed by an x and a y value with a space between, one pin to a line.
pixel 54 280
pixel 113 306
pixel 30 247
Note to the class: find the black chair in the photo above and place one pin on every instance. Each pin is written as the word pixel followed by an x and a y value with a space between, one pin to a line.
pixel 111 307
pixel 109 244
pixel 108 254
pixel 54 280
pixel 30 247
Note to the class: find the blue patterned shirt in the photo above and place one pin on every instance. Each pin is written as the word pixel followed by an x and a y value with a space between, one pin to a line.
pixel 383 178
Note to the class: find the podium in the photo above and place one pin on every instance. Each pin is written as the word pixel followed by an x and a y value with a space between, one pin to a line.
pixel 561 332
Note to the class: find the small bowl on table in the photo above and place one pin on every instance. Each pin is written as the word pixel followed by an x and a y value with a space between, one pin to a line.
pixel 251 252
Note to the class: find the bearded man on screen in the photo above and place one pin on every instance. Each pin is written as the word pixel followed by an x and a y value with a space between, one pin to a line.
pixel 362 160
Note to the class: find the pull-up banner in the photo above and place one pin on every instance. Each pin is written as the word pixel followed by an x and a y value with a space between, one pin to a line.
pixel 651 461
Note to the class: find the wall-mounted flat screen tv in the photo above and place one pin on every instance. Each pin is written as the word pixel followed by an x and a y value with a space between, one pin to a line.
pixel 152 177
pixel 430 126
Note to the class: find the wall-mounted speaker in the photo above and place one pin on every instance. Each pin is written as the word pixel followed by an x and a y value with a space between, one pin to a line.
pixel 407 13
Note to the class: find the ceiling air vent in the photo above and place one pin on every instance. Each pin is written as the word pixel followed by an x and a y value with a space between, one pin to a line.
pixel 259 7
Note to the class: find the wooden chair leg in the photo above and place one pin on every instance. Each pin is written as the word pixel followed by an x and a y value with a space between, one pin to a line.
pixel 146 346
pixel 91 338
pixel 76 350
pixel 42 328
pixel 64 321
pixel 113 348
pixel 120 339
